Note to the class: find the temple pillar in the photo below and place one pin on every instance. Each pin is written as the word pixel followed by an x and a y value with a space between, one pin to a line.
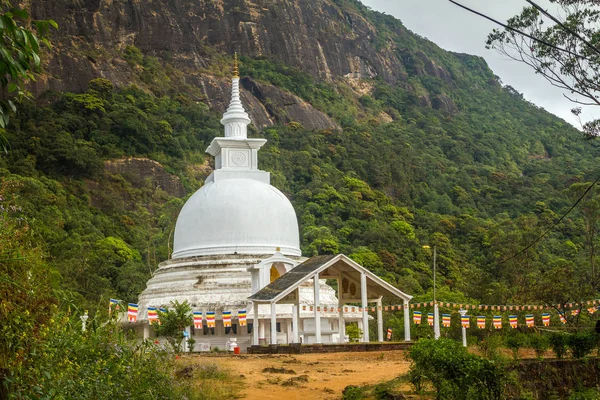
pixel 317 306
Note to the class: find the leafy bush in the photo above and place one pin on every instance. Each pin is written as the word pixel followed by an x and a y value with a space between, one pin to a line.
pixel 581 343
pixel 558 343
pixel 539 343
pixel 454 372
pixel 514 342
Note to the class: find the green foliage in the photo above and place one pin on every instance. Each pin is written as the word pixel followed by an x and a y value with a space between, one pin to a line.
pixel 558 343
pixel 454 372
pixel 539 343
pixel 515 341
pixel 173 323
pixel 19 53
pixel 582 343
pixel 354 332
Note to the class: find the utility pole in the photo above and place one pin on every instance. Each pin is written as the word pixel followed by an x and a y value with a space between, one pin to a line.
pixel 436 310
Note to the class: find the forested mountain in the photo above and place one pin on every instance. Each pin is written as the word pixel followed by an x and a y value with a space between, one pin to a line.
pixel 383 142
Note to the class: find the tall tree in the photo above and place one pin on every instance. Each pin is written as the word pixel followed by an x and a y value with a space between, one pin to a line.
pixel 20 39
pixel 564 49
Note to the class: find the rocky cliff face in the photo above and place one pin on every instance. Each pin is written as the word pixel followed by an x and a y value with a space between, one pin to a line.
pixel 322 38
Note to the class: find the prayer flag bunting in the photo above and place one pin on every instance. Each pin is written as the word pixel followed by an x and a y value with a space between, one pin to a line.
pixel 198 319
pixel 546 319
pixel 242 317
pixel 563 320
pixel 389 334
pixel 530 321
pixel 575 313
pixel 465 321
pixel 446 320
pixel 345 309
pixel 498 321
pixel 417 317
pixel 592 310
pixel 481 321
pixel 152 315
pixel 430 319
pixel 132 310
pixel 210 319
pixel 513 321
pixel 226 319
pixel 303 308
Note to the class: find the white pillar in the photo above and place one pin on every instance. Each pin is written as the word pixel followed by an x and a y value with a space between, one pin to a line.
pixel 436 321
pixel 188 329
pixel 147 331
pixel 255 338
pixel 295 326
pixel 406 322
pixel 341 322
pixel 379 321
pixel 363 295
pixel 317 305
pixel 288 332
pixel 464 330
pixel 273 323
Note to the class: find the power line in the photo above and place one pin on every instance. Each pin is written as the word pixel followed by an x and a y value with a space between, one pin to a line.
pixel 530 245
pixel 563 26
pixel 510 28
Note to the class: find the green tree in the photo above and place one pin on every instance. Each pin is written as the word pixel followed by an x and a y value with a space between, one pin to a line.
pixel 19 53
pixel 173 323
pixel 563 48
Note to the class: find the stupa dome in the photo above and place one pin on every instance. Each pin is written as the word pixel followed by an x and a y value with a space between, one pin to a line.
pixel 236 216
pixel 237 211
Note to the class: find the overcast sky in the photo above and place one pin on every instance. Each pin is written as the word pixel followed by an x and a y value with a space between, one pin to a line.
pixel 455 29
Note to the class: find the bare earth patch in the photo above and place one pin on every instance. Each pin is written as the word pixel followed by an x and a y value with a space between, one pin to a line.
pixel 319 376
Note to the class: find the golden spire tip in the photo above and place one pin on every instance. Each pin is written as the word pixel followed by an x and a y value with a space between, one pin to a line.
pixel 236 71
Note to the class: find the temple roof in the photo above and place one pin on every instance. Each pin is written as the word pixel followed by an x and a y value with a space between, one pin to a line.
pixel 328 267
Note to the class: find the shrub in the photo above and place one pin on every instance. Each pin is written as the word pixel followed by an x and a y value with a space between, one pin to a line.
pixel 454 372
pixel 514 342
pixel 581 343
pixel 539 343
pixel 558 343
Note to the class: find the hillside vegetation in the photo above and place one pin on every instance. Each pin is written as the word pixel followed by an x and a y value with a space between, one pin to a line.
pixel 445 155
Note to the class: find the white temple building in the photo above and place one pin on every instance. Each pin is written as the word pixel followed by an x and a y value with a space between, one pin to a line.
pixel 233 239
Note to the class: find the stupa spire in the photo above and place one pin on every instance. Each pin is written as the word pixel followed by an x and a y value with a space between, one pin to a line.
pixel 235 119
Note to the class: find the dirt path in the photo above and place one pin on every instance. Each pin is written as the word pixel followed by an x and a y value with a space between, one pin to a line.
pixel 309 376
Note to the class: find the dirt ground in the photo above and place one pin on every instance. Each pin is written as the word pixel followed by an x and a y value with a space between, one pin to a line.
pixel 308 376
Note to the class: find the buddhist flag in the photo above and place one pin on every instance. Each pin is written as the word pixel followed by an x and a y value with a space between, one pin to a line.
pixel 242 317
pixel 132 310
pixel 498 321
pixel 210 319
pixel 198 319
pixel 152 315
pixel 465 321
pixel 417 317
pixel 530 321
pixel 592 310
pixel 446 320
pixel 481 321
pixel 513 321
pixel 546 319
pixel 430 319
pixel 389 334
pixel 226 319
pixel 346 309
pixel 113 303
pixel 563 320
pixel 575 313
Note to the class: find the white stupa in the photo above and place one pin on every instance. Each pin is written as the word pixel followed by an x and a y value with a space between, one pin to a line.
pixel 234 236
